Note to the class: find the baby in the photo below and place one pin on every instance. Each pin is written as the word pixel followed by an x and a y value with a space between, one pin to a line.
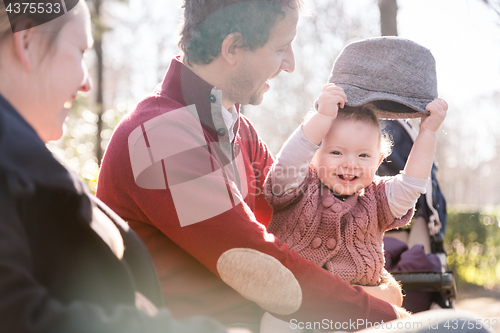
pixel 335 214
pixel 328 204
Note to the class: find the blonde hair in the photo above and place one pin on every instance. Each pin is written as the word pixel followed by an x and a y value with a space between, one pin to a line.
pixel 4 22
pixel 53 26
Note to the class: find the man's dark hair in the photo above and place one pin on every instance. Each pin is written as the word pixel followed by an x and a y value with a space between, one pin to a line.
pixel 208 22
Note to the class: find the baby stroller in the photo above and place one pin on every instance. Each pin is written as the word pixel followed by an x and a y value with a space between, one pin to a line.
pixel 415 256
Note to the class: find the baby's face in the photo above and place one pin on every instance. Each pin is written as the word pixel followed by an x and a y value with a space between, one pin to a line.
pixel 349 156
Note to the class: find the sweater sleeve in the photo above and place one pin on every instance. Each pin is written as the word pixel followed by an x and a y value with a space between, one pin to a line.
pixel 292 163
pixel 198 202
pixel 263 161
pixel 385 216
pixel 403 192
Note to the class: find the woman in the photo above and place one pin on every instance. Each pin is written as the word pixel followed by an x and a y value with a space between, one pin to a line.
pixel 67 263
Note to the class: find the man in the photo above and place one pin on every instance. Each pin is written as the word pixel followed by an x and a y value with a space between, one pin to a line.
pixel 186 170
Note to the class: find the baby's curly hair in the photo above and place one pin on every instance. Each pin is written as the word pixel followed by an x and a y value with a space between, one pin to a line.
pixel 208 22
pixel 364 113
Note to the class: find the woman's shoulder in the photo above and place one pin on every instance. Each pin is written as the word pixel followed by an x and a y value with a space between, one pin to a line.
pixel 26 162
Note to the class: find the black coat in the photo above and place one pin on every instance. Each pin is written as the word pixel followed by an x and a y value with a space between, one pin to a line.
pixel 56 273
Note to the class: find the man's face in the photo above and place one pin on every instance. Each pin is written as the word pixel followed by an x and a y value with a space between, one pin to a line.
pixel 250 79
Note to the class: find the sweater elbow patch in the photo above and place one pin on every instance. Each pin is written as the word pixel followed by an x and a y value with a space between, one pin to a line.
pixel 262 279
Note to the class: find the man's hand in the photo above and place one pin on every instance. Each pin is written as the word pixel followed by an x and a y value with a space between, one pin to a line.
pixel 329 100
pixel 388 290
pixel 437 109
pixel 402 313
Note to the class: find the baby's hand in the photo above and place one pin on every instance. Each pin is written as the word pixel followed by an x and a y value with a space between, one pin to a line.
pixel 437 109
pixel 329 100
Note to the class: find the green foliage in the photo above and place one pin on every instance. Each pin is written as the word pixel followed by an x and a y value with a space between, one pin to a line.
pixel 472 241
pixel 76 149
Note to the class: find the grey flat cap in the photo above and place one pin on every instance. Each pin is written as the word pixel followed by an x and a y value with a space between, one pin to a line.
pixel 397 75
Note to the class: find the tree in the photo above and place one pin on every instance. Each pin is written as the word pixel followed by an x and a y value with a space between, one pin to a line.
pixel 388 17
pixel 98 33
pixel 99 30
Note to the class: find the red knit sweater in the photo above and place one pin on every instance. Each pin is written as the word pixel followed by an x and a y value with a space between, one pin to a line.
pixel 162 173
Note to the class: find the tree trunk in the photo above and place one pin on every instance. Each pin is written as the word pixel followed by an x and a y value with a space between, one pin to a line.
pixel 100 69
pixel 388 17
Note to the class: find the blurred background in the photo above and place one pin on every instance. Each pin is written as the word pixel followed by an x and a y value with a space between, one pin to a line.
pixel 136 39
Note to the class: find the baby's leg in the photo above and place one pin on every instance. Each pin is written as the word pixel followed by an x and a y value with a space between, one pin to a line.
pixel 270 324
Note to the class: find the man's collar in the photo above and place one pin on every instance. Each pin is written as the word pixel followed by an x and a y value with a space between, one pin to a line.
pixel 192 88
pixel 185 87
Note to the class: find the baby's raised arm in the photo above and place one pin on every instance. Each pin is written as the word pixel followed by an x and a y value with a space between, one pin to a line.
pixel 292 162
pixel 329 100
pixel 421 157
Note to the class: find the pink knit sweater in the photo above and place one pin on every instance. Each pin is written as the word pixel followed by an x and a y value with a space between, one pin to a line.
pixel 344 237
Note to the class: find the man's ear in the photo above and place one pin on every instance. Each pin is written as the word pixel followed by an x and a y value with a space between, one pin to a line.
pixel 231 48
pixel 22 42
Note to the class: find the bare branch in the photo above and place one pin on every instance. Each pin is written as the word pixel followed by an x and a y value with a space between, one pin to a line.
pixel 494 5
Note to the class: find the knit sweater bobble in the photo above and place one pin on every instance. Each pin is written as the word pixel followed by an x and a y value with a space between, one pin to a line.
pixel 344 237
